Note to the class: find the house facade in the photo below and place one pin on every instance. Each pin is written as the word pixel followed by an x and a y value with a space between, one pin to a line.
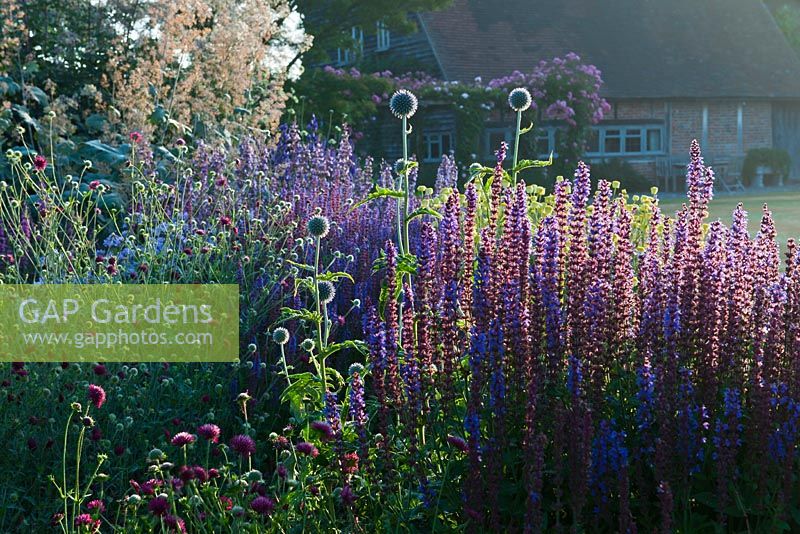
pixel 720 71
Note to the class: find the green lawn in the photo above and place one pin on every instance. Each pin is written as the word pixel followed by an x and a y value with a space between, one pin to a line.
pixel 785 207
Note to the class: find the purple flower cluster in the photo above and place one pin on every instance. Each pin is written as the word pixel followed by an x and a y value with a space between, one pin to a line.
pixel 536 328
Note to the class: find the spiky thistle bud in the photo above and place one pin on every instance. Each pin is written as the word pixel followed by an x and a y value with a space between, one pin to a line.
pixel 280 336
pixel 319 226
pixel 520 99
pixel 327 292
pixel 403 104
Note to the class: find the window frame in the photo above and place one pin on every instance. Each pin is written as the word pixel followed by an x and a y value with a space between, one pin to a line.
pixel 347 56
pixel 627 131
pixel 427 143
pixel 383 37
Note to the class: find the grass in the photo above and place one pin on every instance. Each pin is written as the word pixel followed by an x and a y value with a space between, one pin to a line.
pixel 785 207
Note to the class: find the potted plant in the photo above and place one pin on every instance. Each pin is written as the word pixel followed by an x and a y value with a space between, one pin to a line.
pixel 762 161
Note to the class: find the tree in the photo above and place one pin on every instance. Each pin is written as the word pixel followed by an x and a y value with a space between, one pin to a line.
pixel 330 21
pixel 209 63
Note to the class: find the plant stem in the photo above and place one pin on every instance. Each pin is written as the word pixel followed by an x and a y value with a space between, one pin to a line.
pixel 406 248
pixel 516 146
pixel 319 315
pixel 64 468
pixel 285 367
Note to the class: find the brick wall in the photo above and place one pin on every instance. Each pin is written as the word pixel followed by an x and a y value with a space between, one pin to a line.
pixel 722 138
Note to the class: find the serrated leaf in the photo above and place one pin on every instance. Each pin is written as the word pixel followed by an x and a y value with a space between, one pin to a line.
pixel 335 277
pixel 290 314
pixel 301 265
pixel 408 166
pixel 533 163
pixel 419 212
pixel 380 192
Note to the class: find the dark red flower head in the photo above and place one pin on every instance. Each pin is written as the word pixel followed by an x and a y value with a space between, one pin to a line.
pixel 97 395
pixel 209 432
pixel 262 505
pixel 243 445
pixel 40 163
pixel 182 438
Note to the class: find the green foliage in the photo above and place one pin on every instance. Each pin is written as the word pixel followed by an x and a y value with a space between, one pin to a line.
pixel 330 21
pixel 619 170
pixel 775 158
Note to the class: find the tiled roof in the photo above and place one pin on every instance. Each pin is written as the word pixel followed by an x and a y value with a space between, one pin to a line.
pixel 645 48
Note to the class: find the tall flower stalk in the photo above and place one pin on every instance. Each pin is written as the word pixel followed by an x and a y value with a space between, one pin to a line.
pixel 520 100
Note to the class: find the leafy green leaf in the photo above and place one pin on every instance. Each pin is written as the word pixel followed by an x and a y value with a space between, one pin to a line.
pixel 532 163
pixel 301 265
pixel 96 150
pixel 419 212
pixel 379 192
pixel 335 277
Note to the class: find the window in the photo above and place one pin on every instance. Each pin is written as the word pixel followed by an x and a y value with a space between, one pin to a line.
pixel 625 140
pixel 384 38
pixel 546 142
pixel 437 144
pixel 345 56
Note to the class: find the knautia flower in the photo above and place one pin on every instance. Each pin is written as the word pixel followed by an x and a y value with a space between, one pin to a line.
pixel 327 292
pixel 39 163
pixel 520 99
pixel 86 523
pixel 159 506
pixel 280 336
pixel 324 429
pixel 182 438
pixel 97 395
pixel 262 505
pixel 243 445
pixel 403 104
pixel 209 431
pixel 175 524
pixel 318 226
pixel 307 448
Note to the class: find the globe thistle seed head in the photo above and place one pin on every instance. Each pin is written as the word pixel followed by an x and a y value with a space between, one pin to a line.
pixel 520 99
pixel 319 226
pixel 327 292
pixel 280 336
pixel 307 345
pixel 355 368
pixel 403 104
pixel 399 166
